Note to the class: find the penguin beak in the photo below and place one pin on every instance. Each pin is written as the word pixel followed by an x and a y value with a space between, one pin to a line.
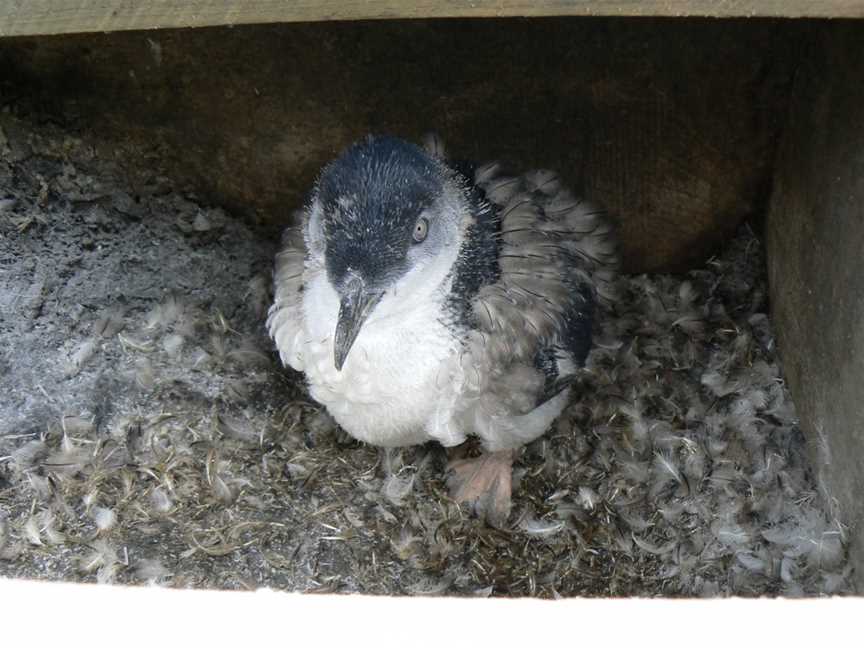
pixel 356 305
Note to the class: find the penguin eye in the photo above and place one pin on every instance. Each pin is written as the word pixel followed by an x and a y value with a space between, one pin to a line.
pixel 421 229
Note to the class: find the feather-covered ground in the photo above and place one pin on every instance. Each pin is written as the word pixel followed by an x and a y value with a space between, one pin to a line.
pixel 147 434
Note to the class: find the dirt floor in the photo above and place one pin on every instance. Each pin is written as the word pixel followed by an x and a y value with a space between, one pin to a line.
pixel 148 435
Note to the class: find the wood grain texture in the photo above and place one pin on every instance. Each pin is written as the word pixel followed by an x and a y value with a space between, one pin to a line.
pixel 669 124
pixel 815 241
pixel 32 17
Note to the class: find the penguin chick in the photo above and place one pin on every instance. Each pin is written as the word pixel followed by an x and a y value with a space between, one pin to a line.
pixel 425 300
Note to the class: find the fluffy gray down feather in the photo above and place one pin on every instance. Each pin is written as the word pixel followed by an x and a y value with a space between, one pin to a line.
pixel 552 246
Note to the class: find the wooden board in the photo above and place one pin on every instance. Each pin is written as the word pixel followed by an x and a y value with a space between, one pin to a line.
pixel 33 17
pixel 671 125
pixel 815 236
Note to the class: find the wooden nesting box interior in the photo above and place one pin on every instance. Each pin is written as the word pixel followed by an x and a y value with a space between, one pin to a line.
pixel 671 125
pixel 684 119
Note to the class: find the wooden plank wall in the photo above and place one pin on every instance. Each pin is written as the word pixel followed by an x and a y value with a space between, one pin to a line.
pixel 671 125
pixel 815 235
pixel 33 17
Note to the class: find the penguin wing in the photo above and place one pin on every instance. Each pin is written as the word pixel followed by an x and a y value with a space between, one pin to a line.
pixel 285 317
pixel 558 259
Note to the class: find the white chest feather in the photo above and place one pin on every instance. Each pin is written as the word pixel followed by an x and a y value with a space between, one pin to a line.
pixel 395 374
